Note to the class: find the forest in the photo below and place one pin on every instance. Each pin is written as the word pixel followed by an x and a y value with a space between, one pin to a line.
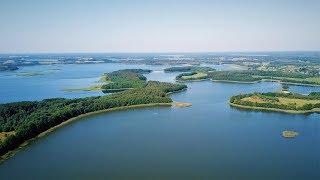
pixel 30 118
pixel 125 79
pixel 252 76
pixel 232 76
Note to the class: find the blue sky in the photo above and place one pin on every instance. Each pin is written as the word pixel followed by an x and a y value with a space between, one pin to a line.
pixel 158 26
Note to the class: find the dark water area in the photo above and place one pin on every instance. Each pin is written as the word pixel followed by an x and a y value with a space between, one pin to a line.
pixel 209 140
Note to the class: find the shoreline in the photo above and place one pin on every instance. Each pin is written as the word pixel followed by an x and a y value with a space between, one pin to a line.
pixel 11 153
pixel 115 90
pixel 172 92
pixel 240 82
pixel 194 80
pixel 266 80
pixel 256 108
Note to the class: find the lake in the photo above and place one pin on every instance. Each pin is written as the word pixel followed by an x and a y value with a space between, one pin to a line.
pixel 209 140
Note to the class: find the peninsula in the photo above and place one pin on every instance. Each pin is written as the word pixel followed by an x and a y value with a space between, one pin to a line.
pixel 22 121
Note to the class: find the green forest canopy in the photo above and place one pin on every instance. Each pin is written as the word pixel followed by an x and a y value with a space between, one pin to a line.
pixel 252 76
pixel 29 118
pixel 125 79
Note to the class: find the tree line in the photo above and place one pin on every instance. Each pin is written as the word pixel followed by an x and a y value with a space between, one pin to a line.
pixel 188 68
pixel 254 75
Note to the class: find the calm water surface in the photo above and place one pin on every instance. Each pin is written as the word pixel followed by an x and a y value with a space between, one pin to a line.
pixel 206 141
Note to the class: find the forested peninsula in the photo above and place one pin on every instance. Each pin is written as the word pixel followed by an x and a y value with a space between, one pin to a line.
pixel 22 121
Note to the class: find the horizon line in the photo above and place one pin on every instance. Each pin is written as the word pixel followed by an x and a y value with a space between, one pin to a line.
pixel 157 52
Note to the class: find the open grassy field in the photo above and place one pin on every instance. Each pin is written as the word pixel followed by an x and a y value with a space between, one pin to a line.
pixel 280 100
pixel 181 104
pixel 314 79
pixel 198 75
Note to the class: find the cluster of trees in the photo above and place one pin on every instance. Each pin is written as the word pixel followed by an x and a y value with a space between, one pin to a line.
pixel 279 74
pixel 188 68
pixel 285 87
pixel 179 77
pixel 271 101
pixel 315 95
pixel 165 87
pixel 178 69
pixel 192 76
pixel 232 76
pixel 266 98
pixel 125 79
pixel 30 118
pixel 251 76
pixel 289 80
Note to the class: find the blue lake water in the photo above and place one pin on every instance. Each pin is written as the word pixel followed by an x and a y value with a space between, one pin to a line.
pixel 209 140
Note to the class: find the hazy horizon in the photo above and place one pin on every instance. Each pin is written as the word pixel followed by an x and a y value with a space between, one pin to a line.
pixel 144 26
pixel 166 53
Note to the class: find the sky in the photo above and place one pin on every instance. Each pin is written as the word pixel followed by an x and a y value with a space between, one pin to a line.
pixel 38 26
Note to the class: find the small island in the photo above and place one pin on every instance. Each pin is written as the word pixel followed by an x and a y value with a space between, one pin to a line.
pixel 289 134
pixel 280 102
pixel 23 121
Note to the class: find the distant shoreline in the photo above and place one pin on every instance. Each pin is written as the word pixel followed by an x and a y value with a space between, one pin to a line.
pixel 239 82
pixel 256 108
pixel 266 80
pixel 192 80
